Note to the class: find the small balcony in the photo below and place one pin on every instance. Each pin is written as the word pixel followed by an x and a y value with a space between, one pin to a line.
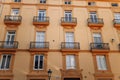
pixel 12 20
pixel 44 21
pixel 39 46
pixel 70 46
pixel 95 23
pixel 99 47
pixel 116 23
pixel 68 21
pixel 8 45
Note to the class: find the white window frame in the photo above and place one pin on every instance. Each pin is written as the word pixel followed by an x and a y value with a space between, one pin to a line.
pixel 101 64
pixel 15 10
pixel 38 62
pixel 68 16
pixel 72 65
pixel 67 2
pixel 42 1
pixel 17 0
pixel 97 35
pixel 91 3
pixel 5 63
pixel 41 17
pixel 93 17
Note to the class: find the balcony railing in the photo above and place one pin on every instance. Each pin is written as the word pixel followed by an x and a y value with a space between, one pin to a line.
pixel 116 21
pixel 40 19
pixel 70 45
pixel 8 44
pixel 99 46
pixel 12 18
pixel 69 20
pixel 39 45
pixel 95 20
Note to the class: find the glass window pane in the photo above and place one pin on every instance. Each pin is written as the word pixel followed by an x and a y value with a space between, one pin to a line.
pixel 3 61
pixel 41 62
pixel 8 61
pixel 36 62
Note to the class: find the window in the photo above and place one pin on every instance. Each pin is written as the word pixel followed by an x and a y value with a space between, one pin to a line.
pixel 67 2
pixel 97 41
pixel 40 39
pixel 91 4
pixel 117 17
pixel 70 62
pixel 114 4
pixel 41 15
pixel 68 16
pixel 15 12
pixel 42 1
pixel 69 39
pixel 9 39
pixel 17 0
pixel 5 62
pixel 97 38
pixel 93 17
pixel 38 62
pixel 101 62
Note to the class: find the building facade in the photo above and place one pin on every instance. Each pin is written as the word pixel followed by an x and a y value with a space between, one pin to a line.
pixel 76 39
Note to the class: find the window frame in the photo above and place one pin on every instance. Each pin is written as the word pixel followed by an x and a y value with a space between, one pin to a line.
pixel 107 62
pixel 67 2
pixel 17 1
pixel 38 64
pixel 91 3
pixel 13 9
pixel 101 65
pixel 70 60
pixel 5 63
pixel 42 1
pixel 114 4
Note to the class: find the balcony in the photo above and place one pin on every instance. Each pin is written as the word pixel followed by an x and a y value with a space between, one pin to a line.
pixel 39 46
pixel 99 47
pixel 37 21
pixel 69 21
pixel 116 23
pixel 12 20
pixel 8 45
pixel 70 46
pixel 95 23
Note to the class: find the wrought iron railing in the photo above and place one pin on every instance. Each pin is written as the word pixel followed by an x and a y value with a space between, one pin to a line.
pixel 13 18
pixel 8 44
pixel 70 45
pixel 69 20
pixel 39 45
pixel 40 19
pixel 95 20
pixel 104 46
